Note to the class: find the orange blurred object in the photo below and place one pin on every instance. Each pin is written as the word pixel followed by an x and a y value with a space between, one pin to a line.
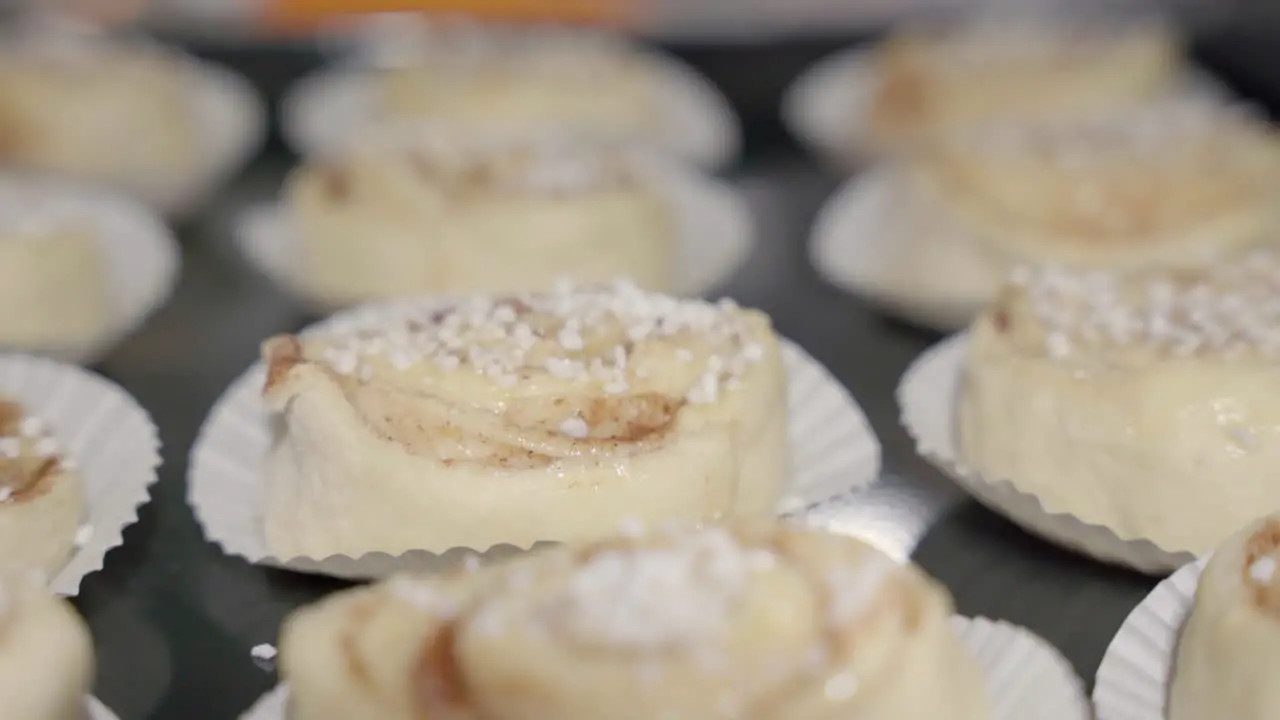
pixel 303 15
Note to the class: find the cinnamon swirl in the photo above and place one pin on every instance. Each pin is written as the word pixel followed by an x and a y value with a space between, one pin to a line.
pixel 751 623
pixel 46 655
pixel 422 212
pixel 543 416
pixel 490 78
pixel 41 499
pixel 931 80
pixel 53 278
pixel 1139 401
pixel 112 114
pixel 1224 656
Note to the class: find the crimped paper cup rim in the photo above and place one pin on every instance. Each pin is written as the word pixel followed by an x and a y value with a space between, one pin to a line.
pixel 927 396
pixel 110 436
pixel 1027 679
pixel 1133 679
pixel 846 248
pixel 140 256
pixel 840 454
pixel 98 711
pixel 697 121
pixel 715 232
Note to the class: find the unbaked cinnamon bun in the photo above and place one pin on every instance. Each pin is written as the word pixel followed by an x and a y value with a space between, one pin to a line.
pixel 755 623
pixel 420 212
pixel 516 419
pixel 103 112
pixel 936 80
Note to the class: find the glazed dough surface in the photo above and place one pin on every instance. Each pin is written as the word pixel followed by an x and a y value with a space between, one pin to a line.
pixel 1142 401
pixel 543 416
pixel 754 624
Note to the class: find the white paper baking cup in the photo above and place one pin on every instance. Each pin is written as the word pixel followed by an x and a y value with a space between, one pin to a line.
pixel 98 711
pixel 1133 679
pixel 142 259
pixel 715 233
pixel 928 395
pixel 232 123
pixel 1026 678
pixel 824 107
pixel 833 450
pixel 325 110
pixel 110 437
pixel 853 247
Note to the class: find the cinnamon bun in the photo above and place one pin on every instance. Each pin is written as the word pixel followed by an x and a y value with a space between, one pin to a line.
pixel 490 78
pixel 543 416
pixel 112 114
pixel 1178 183
pixel 53 278
pixel 1140 401
pixel 42 501
pixel 1224 657
pixel 751 623
pixel 429 213
pixel 934 80
pixel 46 655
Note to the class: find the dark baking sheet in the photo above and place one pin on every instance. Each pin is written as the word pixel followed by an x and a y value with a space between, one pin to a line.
pixel 174 619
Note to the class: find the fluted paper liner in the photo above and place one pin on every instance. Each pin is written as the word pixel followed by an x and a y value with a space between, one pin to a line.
pixel 833 451
pixel 140 256
pixel 928 396
pixel 106 433
pixel 232 124
pixel 98 711
pixel 715 232
pixel 1133 679
pixel 1026 678
pixel 826 107
pixel 696 122
pixel 851 250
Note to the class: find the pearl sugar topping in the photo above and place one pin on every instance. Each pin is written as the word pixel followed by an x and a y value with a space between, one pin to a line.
pixel 658 597
pixel 1230 309
pixel 505 339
